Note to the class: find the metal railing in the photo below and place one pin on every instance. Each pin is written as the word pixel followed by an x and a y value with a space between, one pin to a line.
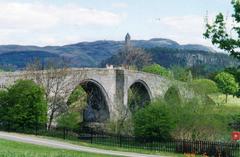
pixel 207 148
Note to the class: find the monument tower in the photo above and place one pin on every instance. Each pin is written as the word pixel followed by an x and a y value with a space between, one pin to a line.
pixel 127 39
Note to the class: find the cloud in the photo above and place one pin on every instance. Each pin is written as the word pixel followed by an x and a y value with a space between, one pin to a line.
pixel 29 20
pixel 39 16
pixel 185 29
pixel 184 24
pixel 120 5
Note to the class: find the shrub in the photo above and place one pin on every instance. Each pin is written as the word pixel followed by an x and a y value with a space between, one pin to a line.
pixel 24 104
pixel 156 69
pixel 198 121
pixel 204 86
pixel 69 120
pixel 153 120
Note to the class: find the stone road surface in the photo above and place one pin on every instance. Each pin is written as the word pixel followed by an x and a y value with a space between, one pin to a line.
pixel 64 145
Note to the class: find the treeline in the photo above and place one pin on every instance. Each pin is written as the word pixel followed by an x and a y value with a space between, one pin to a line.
pixel 201 63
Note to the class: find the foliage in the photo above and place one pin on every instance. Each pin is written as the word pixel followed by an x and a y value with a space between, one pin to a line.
pixel 198 121
pixel 153 120
pixel 134 100
pixel 78 97
pixel 180 73
pixel 52 76
pixel 130 56
pixel 173 96
pixel 138 97
pixel 204 86
pixel 226 83
pixel 235 122
pixel 73 116
pixel 69 120
pixel 201 64
pixel 191 120
pixel 122 126
pixel 219 34
pixel 236 73
pixel 3 105
pixel 156 69
pixel 23 104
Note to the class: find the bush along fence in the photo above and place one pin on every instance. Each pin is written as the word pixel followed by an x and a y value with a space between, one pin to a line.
pixel 207 148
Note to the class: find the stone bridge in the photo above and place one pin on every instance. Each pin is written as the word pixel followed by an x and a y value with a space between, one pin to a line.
pixel 107 88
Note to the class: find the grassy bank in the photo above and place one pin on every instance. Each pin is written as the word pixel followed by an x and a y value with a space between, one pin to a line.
pixel 114 148
pixel 17 149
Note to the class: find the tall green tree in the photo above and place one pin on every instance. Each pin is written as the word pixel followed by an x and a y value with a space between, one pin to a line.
pixel 226 83
pixel 23 104
pixel 235 71
pixel 223 39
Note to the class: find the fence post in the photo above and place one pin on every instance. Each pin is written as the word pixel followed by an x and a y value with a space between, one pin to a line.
pixel 91 136
pixel 8 127
pixel 120 140
pixel 64 133
pixel 36 128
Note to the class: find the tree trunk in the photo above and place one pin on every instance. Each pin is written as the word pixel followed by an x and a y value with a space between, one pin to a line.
pixel 50 121
pixel 226 98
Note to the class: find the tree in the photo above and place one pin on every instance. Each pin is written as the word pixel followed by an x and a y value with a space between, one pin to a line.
pixel 154 120
pixel 219 34
pixel 52 76
pixel 236 73
pixel 130 57
pixel 226 83
pixel 156 69
pixel 3 106
pixel 23 104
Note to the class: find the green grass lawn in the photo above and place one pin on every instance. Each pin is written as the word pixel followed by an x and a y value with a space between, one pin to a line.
pixel 220 99
pixel 17 149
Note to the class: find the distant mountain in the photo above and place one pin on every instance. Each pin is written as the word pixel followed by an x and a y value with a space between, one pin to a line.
pixel 93 54
pixel 197 48
pixel 20 59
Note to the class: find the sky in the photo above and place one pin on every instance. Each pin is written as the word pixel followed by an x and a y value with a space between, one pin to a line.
pixel 61 22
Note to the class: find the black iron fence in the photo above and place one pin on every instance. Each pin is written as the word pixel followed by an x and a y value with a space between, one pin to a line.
pixel 207 148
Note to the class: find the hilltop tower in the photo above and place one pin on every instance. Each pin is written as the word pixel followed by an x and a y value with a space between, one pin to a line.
pixel 127 39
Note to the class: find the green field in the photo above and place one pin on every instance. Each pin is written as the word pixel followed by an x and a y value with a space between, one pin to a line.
pixel 220 100
pixel 17 149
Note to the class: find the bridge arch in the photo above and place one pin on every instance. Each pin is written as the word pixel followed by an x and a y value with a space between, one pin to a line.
pixel 97 108
pixel 139 95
